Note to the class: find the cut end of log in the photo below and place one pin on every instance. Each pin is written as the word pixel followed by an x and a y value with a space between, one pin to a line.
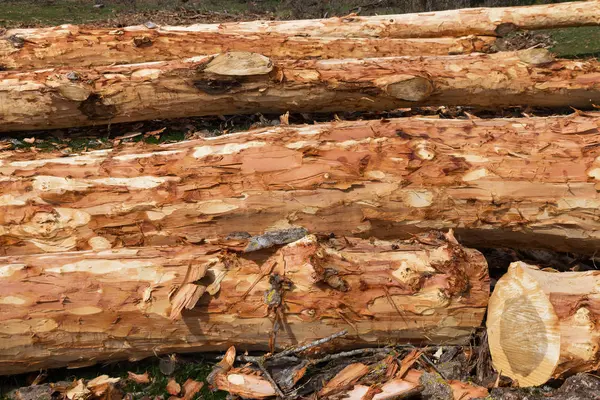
pixel 536 56
pixel 523 329
pixel 415 88
pixel 240 63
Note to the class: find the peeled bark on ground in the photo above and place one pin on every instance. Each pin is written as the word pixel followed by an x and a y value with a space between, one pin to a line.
pixel 75 46
pixel 478 21
pixel 523 182
pixel 240 82
pixel 79 308
pixel 544 325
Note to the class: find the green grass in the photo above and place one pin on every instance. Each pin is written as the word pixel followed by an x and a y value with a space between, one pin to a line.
pixel 576 42
pixel 61 12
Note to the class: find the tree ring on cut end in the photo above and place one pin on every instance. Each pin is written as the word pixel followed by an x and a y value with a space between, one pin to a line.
pixel 523 328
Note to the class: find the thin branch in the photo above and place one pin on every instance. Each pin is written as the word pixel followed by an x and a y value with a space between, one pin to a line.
pixel 302 348
pixel 350 353
pixel 268 377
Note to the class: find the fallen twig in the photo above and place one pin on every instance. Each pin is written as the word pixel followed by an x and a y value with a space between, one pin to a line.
pixel 305 347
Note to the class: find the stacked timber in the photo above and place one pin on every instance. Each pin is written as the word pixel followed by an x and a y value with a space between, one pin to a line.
pixel 283 235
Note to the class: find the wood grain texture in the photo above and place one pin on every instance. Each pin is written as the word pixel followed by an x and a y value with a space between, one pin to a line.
pixel 79 308
pixel 63 97
pixel 75 46
pixel 478 21
pixel 528 182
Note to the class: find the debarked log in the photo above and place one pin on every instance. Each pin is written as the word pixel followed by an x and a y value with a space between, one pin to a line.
pixel 523 182
pixel 79 308
pixel 544 324
pixel 474 21
pixel 75 46
pixel 242 82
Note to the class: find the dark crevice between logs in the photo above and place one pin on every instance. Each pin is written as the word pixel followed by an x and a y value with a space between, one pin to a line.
pixel 94 108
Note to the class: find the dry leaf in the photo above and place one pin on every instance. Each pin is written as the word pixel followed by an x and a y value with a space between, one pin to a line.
pixel 190 388
pixel 102 386
pixel 173 387
pixel 30 140
pixel 78 391
pixel 101 380
pixel 139 378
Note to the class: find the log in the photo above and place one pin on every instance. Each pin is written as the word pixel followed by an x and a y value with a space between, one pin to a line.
pixel 492 21
pixel 79 308
pixel 523 182
pixel 76 46
pixel 241 82
pixel 543 324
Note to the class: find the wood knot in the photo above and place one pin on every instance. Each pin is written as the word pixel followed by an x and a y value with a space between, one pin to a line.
pixel 240 63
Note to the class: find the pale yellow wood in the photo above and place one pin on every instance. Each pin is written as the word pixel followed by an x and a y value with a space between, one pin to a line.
pixel 543 324
pixel 75 46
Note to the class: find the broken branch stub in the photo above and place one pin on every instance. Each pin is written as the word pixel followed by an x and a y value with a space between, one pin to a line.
pixel 79 308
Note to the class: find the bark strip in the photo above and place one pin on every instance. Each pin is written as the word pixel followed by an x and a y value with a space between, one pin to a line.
pixel 58 98
pixel 527 182
pixel 76 46
pixel 79 308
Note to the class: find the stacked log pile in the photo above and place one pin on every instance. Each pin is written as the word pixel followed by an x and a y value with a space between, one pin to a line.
pixel 281 236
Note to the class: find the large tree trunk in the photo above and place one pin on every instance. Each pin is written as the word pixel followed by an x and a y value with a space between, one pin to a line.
pixel 529 182
pixel 544 325
pixel 242 82
pixel 464 22
pixel 79 308
pixel 75 46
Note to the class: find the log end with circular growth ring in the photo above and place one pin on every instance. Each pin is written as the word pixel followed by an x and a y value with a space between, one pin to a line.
pixel 541 324
pixel 240 63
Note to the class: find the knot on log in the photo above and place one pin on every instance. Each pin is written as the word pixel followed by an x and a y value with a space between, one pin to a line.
pixel 239 63
pixel 505 28
pixel 142 41
pixel 74 92
pixel 95 109
pixel 406 87
pixel 536 56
